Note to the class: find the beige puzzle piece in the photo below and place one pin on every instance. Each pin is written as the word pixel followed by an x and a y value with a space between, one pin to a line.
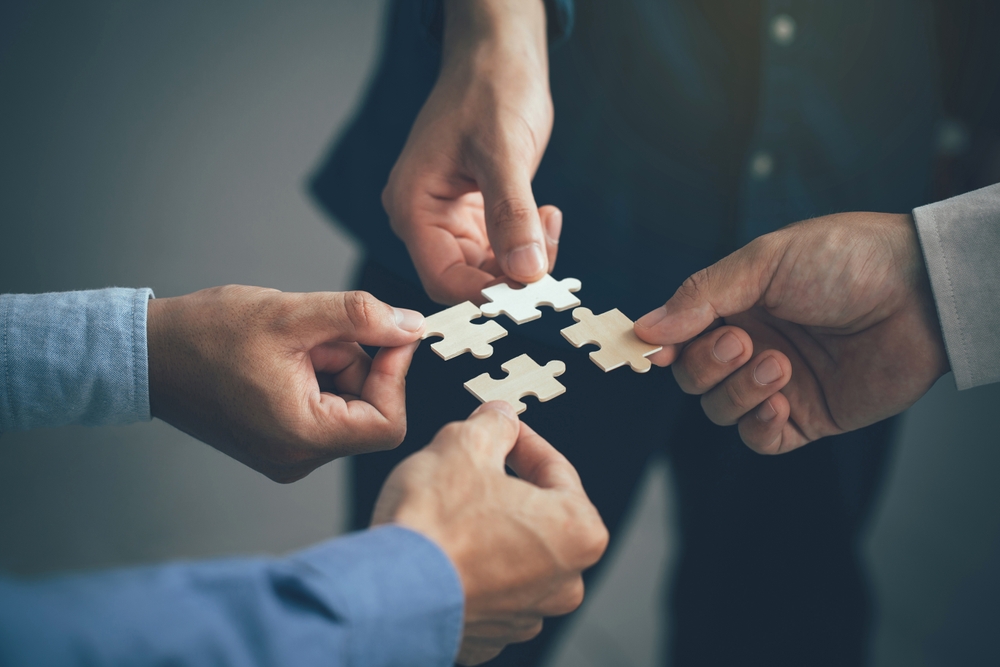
pixel 459 334
pixel 520 304
pixel 614 333
pixel 524 378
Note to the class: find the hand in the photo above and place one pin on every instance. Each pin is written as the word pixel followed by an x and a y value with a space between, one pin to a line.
pixel 460 194
pixel 838 318
pixel 519 543
pixel 278 381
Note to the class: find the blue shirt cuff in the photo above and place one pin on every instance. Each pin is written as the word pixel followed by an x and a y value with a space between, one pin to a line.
pixel 404 598
pixel 73 358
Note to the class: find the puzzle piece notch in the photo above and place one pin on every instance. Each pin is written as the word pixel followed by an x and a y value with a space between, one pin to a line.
pixel 524 378
pixel 459 335
pixel 615 334
pixel 520 305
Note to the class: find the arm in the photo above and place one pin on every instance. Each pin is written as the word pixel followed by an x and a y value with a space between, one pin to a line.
pixel 277 381
pixel 383 597
pixel 436 583
pixel 460 196
pixel 73 358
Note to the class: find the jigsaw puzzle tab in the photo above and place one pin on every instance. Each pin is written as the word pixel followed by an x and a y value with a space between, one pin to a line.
pixel 459 334
pixel 520 305
pixel 524 378
pixel 614 333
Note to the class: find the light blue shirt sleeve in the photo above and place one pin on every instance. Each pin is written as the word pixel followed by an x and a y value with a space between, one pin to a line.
pixel 379 598
pixel 73 358
pixel 385 597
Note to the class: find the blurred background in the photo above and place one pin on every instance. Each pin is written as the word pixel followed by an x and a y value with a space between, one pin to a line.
pixel 167 145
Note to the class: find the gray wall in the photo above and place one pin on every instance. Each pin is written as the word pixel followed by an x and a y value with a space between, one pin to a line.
pixel 166 145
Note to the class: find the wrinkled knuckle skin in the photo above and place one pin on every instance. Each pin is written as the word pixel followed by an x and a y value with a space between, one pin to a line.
pixel 692 287
pixel 509 213
pixel 737 397
pixel 362 309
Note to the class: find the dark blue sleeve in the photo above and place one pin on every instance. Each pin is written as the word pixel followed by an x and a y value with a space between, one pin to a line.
pixel 380 598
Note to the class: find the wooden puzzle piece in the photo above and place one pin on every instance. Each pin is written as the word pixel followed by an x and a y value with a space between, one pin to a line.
pixel 614 333
pixel 524 378
pixel 520 304
pixel 459 334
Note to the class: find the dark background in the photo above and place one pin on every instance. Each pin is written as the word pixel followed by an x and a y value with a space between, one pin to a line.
pixel 167 145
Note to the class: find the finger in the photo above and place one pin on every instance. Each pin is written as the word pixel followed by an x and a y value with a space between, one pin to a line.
pixel 355 317
pixel 513 224
pixel 443 268
pixel 552 222
pixel 347 363
pixel 536 461
pixel 568 598
pixel 489 433
pixel 732 285
pixel 767 430
pixel 378 420
pixel 747 388
pixel 712 357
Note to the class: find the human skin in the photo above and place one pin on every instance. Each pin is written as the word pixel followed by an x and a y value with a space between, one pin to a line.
pixel 459 196
pixel 279 381
pixel 821 327
pixel 519 544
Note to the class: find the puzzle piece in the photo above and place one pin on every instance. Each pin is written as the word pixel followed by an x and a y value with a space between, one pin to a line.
pixel 459 334
pixel 524 378
pixel 614 333
pixel 520 304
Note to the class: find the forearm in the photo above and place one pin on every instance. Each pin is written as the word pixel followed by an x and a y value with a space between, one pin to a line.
pixel 382 597
pixel 73 358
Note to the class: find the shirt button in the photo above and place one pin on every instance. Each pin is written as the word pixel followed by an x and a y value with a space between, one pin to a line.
pixel 761 165
pixel 783 28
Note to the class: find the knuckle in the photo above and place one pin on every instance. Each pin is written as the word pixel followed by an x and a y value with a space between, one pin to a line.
pixel 736 395
pixel 451 433
pixel 694 285
pixel 361 308
pixel 574 595
pixel 711 410
pixel 527 633
pixel 589 536
pixel 509 213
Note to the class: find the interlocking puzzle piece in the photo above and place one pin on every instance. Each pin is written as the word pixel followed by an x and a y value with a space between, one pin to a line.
pixel 459 334
pixel 520 304
pixel 524 378
pixel 614 333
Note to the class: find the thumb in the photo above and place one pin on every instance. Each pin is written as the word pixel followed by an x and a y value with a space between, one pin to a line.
pixel 356 317
pixel 487 435
pixel 513 224
pixel 732 285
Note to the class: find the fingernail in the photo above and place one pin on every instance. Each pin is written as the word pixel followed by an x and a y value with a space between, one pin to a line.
pixel 503 407
pixel 650 320
pixel 553 227
pixel 528 260
pixel 767 371
pixel 408 320
pixel 766 412
pixel 727 348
